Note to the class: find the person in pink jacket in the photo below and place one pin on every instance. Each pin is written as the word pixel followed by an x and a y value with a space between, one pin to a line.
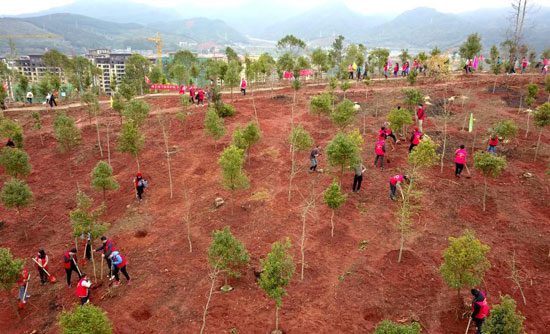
pixel 460 160
pixel 243 86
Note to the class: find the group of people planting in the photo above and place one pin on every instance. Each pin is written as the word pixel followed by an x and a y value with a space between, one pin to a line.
pixel 116 263
pixel 479 303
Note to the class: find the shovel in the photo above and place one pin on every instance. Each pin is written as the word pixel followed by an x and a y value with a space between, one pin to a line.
pixel 22 304
pixel 468 170
pixel 52 278
pixel 79 273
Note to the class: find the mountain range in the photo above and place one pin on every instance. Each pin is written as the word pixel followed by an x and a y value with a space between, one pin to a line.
pixel 122 24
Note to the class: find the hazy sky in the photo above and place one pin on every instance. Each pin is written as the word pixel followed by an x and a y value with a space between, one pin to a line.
pixel 12 7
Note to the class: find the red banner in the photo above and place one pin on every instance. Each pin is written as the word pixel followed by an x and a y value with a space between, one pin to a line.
pixel 181 88
pixel 305 73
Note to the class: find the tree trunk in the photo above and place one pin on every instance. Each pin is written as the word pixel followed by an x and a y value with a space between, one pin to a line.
pixel 292 167
pixel 527 131
pixel 484 192
pixel 538 144
pixel 364 124
pixel 103 195
pixel 495 84
pixel 292 110
pixel 276 317
pixel 213 281
pixel 332 224
pixel 93 261
pixel 341 175
pixel 254 106
pixel 98 136
pixel 231 89
pixel 12 304
pixel 302 245
pixel 402 243
pixel 189 233
pixel 24 225
pixel 108 143
pixel 444 142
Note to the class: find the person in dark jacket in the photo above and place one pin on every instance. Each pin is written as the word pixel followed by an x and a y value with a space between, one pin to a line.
pixel 107 249
pixel 480 308
pixel 140 185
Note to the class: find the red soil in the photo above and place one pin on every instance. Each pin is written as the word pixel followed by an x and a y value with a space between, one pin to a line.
pixel 170 283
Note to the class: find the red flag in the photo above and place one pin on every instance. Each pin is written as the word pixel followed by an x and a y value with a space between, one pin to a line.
pixel 182 90
pixel 147 80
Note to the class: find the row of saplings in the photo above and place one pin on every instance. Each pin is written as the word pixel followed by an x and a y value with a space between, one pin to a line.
pixel 464 265
pixel 230 161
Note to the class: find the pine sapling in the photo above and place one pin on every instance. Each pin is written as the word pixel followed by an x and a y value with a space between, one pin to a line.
pixel 542 120
pixel 228 255
pixel 491 166
pixel 300 140
pixel 213 125
pixel 102 178
pixel 334 199
pixel 17 195
pixel 464 262
pixel 231 163
pixel 278 268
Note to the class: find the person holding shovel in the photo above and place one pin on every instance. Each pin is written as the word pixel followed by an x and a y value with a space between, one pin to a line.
pixel 480 308
pixel 83 289
pixel 69 263
pixel 460 160
pixel 395 182
pixel 41 263
pixel 119 264
pixel 23 283
pixel 107 248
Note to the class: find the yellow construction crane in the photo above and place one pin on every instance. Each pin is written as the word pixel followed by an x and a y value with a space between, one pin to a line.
pixel 32 36
pixel 158 41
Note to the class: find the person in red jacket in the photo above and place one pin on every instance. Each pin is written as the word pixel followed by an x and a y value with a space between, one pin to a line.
pixel 350 71
pixel 524 65
pixel 69 263
pixel 493 142
pixel 22 283
pixel 243 86
pixel 396 70
pixel 201 97
pixel 42 265
pixel 388 131
pixel 192 95
pixel 140 183
pixel 83 289
pixel 480 308
pixel 420 116
pixel 380 150
pixel 386 70
pixel 108 248
pixel 460 160
pixel 382 133
pixel 415 139
pixel 395 182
